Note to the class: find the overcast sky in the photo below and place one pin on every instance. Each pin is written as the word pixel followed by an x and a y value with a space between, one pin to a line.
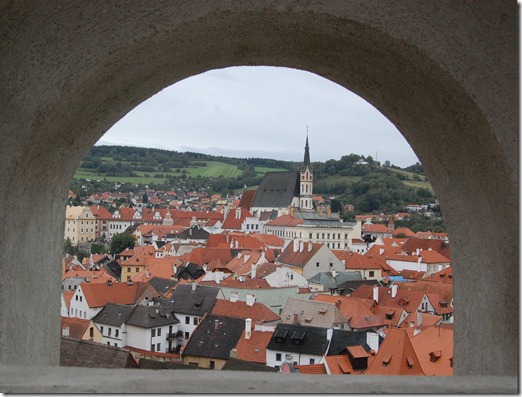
pixel 261 112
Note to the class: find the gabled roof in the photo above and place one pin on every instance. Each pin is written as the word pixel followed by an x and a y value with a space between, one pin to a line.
pixel 343 338
pixel 434 349
pixel 114 314
pixel 150 316
pixel 285 220
pixel 98 295
pixel 82 353
pixel 214 337
pixel 77 326
pixel 254 349
pixel 443 290
pixel 193 301
pixel 311 313
pixel 302 339
pixel 270 240
pixel 355 261
pixel 162 285
pixel 339 365
pixel 299 258
pixel 444 276
pixel 258 312
pixel 235 218
pixel 409 300
pixel 396 356
pixel 247 198
pixel 356 311
pixel 374 228
pixel 203 256
pixel 277 190
pixel 440 246
pixel 404 231
pixel 426 320
pixel 328 280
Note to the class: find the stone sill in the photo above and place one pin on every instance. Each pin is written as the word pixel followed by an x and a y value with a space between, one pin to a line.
pixel 23 379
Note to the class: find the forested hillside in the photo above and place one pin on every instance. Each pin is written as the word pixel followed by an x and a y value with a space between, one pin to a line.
pixel 353 179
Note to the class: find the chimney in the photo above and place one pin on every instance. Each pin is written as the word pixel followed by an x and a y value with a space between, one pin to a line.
pixel 238 212
pixel 205 268
pixel 329 334
pixel 216 324
pixel 65 331
pixel 147 274
pixel 372 340
pixel 233 353
pixel 301 246
pixel 309 247
pixel 129 282
pixel 296 318
pixel 233 296
pixel 338 304
pixel 296 245
pixel 394 290
pixel 417 251
pixel 381 250
pixel 253 273
pixel 194 286
pixel 419 318
pixel 248 328
pixel 376 293
pixel 250 300
pixel 109 283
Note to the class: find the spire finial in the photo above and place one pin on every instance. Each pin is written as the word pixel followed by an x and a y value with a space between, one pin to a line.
pixel 306 162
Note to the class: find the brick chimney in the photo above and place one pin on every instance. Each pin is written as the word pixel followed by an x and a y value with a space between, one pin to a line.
pixel 394 290
pixel 250 300
pixel 296 318
pixel 376 294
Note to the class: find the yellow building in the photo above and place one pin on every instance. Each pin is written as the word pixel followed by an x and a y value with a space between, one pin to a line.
pixel 80 225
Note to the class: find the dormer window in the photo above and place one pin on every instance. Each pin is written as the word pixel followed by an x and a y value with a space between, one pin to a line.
pixel 435 355
pixel 280 335
pixel 386 360
pixel 298 337
pixel 410 361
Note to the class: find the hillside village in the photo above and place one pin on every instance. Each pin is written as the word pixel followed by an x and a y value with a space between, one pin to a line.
pixel 266 280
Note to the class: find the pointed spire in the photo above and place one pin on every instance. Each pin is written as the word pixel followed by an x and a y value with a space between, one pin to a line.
pixel 306 162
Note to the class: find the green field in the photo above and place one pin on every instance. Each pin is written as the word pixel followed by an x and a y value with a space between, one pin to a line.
pixel 213 169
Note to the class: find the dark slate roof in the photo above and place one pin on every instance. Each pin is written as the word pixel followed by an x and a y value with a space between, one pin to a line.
pixel 342 338
pixel 82 353
pixel 214 337
pixel 190 272
pixel 162 285
pixel 195 232
pixel 312 339
pixel 194 302
pixel 277 189
pixel 235 364
pixel 156 315
pixel 113 268
pixel 114 314
pixel 348 287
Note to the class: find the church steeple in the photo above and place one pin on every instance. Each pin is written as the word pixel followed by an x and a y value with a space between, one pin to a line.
pixel 306 162
pixel 306 181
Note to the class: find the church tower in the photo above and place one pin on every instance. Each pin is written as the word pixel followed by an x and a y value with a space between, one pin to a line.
pixel 306 182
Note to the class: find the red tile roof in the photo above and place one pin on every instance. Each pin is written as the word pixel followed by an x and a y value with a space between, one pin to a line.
pixel 258 312
pixel 375 228
pixel 77 326
pixel 404 231
pixel 253 349
pixel 233 221
pixel 434 349
pixel 299 258
pixel 396 356
pixel 339 365
pixel 285 220
pixel 311 369
pixel 98 295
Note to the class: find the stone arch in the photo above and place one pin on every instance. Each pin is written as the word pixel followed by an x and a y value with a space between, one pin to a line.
pixel 445 76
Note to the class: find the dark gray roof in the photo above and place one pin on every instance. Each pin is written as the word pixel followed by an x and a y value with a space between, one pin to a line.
pixel 331 282
pixel 113 268
pixel 194 302
pixel 162 285
pixel 277 189
pixel 348 287
pixel 145 363
pixel 296 338
pixel 114 314
pixel 82 353
pixel 214 337
pixel 235 364
pixel 342 338
pixel 156 315
pixel 195 232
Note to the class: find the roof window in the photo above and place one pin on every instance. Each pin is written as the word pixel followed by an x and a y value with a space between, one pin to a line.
pixel 386 359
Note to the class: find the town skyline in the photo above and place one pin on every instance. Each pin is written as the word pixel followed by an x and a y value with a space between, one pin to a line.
pixel 263 112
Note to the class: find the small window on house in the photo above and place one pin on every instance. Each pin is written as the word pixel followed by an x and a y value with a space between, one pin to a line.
pixel 101 329
pixel 109 332
pixel 117 333
pixel 159 331
pixel 153 347
pixel 91 332
pixel 312 361
pixel 158 347
pixel 278 356
pixel 153 332
pixel 371 273
pixel 316 264
pixel 195 322
pixel 186 335
pixel 212 364
pixel 187 320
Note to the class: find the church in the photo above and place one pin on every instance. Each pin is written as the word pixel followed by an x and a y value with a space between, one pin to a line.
pixel 281 193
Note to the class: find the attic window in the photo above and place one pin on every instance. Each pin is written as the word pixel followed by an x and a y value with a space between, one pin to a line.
pixel 280 335
pixel 323 311
pixel 443 304
pixel 435 355
pixel 298 337
pixel 386 359
pixel 308 319
pixel 410 361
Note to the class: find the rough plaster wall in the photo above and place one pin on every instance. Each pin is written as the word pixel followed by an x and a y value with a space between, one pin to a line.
pixel 444 72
